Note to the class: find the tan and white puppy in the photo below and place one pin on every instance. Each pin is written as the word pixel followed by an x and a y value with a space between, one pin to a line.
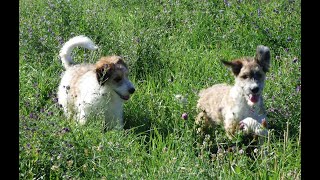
pixel 87 90
pixel 241 105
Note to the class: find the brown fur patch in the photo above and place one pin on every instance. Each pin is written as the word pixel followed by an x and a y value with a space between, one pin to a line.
pixel 110 66
pixel 250 68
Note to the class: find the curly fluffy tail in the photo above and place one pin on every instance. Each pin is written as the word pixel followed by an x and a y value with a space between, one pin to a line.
pixel 65 52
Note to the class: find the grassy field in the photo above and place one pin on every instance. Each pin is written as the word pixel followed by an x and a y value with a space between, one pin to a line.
pixel 172 48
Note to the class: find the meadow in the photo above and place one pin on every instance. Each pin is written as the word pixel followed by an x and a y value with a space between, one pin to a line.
pixel 173 49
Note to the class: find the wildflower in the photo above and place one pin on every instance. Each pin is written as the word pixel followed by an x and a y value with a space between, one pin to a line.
pixel 165 149
pixel 259 12
pixel 298 89
pixel 181 99
pixel 54 167
pixel 69 163
pixel 184 116
pixel 84 167
pixel 226 2
pixel 65 130
pixel 271 109
pixel 55 99
pixel 50 113
pixel 100 147
pixel 241 151
pixel 289 39
pixel 295 60
pixel 255 150
pixel 59 156
pixel 33 116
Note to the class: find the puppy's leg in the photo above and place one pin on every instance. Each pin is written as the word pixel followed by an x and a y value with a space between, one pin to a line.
pixel 250 125
pixel 81 117
pixel 230 125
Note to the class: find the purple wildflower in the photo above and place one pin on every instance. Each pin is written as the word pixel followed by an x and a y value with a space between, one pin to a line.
pixel 241 151
pixel 33 116
pixel 184 116
pixel 295 60
pixel 226 2
pixel 298 89
pixel 259 12
pixel 50 113
pixel 55 99
pixel 271 109
pixel 65 129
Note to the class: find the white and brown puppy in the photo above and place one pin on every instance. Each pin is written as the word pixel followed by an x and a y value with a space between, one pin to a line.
pixel 87 90
pixel 240 105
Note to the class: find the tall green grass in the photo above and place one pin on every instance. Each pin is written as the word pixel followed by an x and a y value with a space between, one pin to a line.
pixel 172 48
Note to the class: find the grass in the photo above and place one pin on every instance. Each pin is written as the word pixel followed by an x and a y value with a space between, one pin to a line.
pixel 172 48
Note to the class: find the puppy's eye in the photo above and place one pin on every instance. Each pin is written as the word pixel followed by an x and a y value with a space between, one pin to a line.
pixel 117 79
pixel 244 76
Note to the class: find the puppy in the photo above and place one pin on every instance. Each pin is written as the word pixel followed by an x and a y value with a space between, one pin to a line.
pixel 87 90
pixel 239 106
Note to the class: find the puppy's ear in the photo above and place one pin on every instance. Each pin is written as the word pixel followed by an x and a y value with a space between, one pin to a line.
pixel 103 72
pixel 263 57
pixel 235 65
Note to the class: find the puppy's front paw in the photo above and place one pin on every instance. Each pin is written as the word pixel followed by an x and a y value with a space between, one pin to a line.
pixel 247 125
pixel 250 125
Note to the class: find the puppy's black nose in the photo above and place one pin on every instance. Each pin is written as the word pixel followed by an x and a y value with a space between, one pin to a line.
pixel 131 90
pixel 255 90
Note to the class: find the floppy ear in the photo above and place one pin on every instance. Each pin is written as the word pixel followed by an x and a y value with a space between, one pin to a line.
pixel 104 72
pixel 263 57
pixel 235 65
